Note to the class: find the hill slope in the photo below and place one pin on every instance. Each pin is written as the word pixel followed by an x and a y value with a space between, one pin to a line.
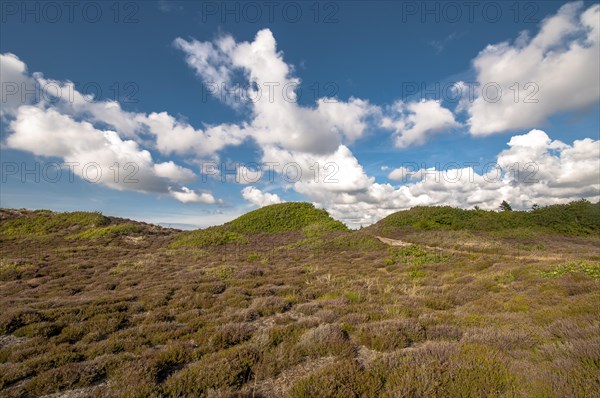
pixel 273 219
pixel 575 218
pixel 291 216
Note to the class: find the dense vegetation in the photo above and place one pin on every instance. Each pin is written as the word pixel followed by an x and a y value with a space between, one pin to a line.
pixel 292 216
pixel 284 217
pixel 575 218
pixel 104 307
pixel 44 222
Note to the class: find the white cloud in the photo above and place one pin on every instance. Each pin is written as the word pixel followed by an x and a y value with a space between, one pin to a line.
pixel 186 195
pixel 13 80
pixel 174 172
pixel 404 174
pixel 549 172
pixel 413 123
pixel 169 135
pixel 93 153
pixel 277 118
pixel 260 198
pixel 248 175
pixel 173 136
pixel 534 169
pixel 561 63
pixel 211 61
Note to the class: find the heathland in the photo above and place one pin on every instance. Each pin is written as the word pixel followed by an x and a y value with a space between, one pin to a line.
pixel 285 301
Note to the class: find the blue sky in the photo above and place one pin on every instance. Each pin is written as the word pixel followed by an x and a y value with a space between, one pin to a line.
pixel 153 64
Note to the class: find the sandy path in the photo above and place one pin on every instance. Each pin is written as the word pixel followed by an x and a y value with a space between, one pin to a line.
pixel 516 254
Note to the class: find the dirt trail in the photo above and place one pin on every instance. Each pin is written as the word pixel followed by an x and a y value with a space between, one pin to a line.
pixel 473 250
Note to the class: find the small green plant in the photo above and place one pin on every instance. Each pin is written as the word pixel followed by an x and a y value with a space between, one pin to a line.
pixel 110 231
pixel 590 269
pixel 213 236
pixel 253 257
pixel 505 279
pixel 222 271
pixel 416 273
pixel 413 255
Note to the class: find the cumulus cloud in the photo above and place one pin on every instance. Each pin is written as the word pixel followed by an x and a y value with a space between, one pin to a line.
pixel 186 195
pixel 174 172
pixel 93 153
pixel 59 122
pixel 560 64
pixel 176 137
pixel 277 118
pixel 13 79
pixel 403 174
pixel 534 169
pixel 414 122
pixel 260 198
pixel 170 135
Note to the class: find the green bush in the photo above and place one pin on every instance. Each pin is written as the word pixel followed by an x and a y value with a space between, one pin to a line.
pixel 575 218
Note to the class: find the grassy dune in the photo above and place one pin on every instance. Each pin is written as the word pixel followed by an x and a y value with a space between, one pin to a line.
pixel 285 301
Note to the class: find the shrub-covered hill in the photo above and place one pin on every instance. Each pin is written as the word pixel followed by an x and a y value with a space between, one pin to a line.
pixel 70 225
pixel 292 216
pixel 279 218
pixel 575 218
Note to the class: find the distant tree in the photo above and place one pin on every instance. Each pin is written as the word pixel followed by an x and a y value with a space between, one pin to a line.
pixel 477 207
pixel 504 206
pixel 535 206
